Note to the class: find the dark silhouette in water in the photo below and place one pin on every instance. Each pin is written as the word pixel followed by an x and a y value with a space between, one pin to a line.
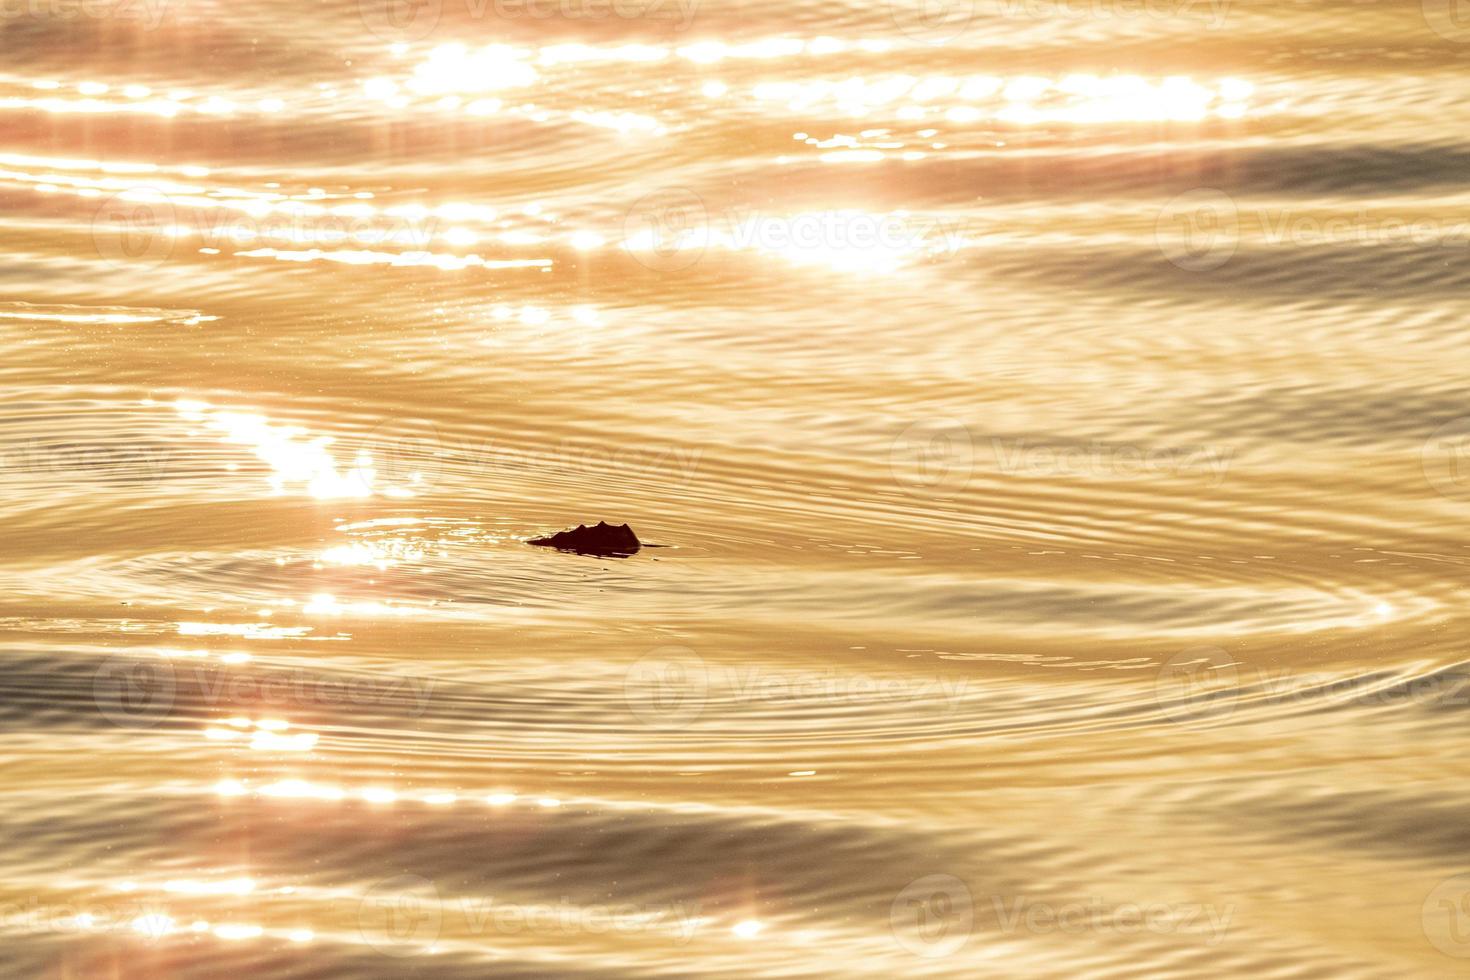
pixel 606 540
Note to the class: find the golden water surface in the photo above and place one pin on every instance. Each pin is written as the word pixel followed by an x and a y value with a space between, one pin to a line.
pixel 1050 415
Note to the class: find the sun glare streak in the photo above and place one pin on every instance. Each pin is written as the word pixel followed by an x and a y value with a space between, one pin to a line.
pixel 1022 100
pixel 381 555
pixel 299 789
pixel 447 263
pixel 247 631
pixel 267 736
pixel 143 198
pixel 63 314
pixel 232 886
pixel 323 604
pixel 313 217
pixel 292 458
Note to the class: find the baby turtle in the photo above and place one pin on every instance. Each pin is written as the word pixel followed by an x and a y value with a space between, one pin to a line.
pixel 605 540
